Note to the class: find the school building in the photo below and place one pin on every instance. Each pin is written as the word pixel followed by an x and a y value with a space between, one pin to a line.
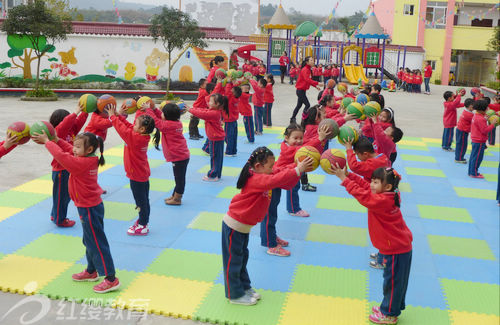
pixel 454 34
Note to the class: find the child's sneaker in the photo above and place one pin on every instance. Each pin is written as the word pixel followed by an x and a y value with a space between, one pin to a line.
pixel 66 223
pixel 281 242
pixel 383 319
pixel 138 230
pixel 210 179
pixel 376 265
pixel 85 276
pixel 252 293
pixel 376 309
pixel 300 213
pixel 245 300
pixel 229 155
pixel 308 188
pixel 278 251
pixel 461 161
pixel 448 149
pixel 374 256
pixel 477 176
pixel 107 286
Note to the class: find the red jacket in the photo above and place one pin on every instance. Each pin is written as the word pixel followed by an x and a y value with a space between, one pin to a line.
pixel 331 92
pixel 244 105
pixel 284 60
pixel 287 153
pixel 411 79
pixel 367 167
pixel 327 72
pixel 233 105
pixel 213 122
pixel 331 112
pixel 305 81
pixel 335 72
pixel 258 96
pixel 67 130
pixel 294 72
pixel 310 133
pixel 400 74
pixel 99 125
pixel 494 106
pixel 367 129
pixel 82 184
pixel 4 151
pixel 135 153
pixel 317 72
pixel 268 93
pixel 382 144
pixel 246 67
pixel 173 142
pixel 255 71
pixel 201 101
pixel 427 71
pixel 465 121
pixel 262 71
pixel 480 129
pixel 251 204
pixel 211 74
pixel 418 79
pixel 450 112
pixel 386 226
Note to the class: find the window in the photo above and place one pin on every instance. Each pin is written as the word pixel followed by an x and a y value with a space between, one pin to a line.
pixel 435 14
pixel 408 10
pixel 482 23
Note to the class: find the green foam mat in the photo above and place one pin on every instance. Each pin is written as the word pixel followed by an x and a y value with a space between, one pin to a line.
pixel 339 203
pixel 215 309
pixel 228 192
pixel 487 163
pixel 21 200
pixel 210 221
pixel 418 158
pixel 338 235
pixel 491 177
pixel 425 172
pixel 405 187
pixel 226 171
pixel 120 211
pixel 444 213
pixel 48 177
pixel 187 265
pixel 316 178
pixel 475 193
pixel 113 160
pixel 153 163
pixel 471 296
pixel 54 247
pixel 197 152
pixel 274 146
pixel 330 281
pixel 461 247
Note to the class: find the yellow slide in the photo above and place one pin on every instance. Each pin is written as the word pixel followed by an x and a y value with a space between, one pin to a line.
pixel 354 72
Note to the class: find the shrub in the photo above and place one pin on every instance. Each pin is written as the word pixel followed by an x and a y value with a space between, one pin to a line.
pixel 41 92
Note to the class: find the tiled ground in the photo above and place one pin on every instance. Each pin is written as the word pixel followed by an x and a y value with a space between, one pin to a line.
pixel 177 268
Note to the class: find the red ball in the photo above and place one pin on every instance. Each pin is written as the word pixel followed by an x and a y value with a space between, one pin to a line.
pixel 332 157
pixel 20 130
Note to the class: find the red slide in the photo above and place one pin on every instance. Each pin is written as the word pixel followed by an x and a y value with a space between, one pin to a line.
pixel 244 52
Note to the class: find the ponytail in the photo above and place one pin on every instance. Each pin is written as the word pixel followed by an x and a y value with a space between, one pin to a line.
pixel 244 176
pixel 92 140
pixel 156 139
pixel 309 116
pixel 259 155
pixel 389 176
pixel 100 143
pixel 221 101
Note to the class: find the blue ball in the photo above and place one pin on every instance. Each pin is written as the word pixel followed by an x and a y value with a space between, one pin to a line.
pixel 362 99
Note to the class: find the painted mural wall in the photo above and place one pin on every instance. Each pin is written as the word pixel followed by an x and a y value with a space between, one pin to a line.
pixel 101 58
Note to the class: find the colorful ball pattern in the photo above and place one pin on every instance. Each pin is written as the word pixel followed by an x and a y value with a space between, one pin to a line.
pixel 238 74
pixel 308 151
pixel 356 109
pixel 348 132
pixel 346 101
pixel 474 91
pixel 248 75
pixel 143 100
pixel 41 127
pixel 333 127
pixel 105 100
pixel 362 99
pixel 372 109
pixel 332 157
pixel 220 73
pixel 230 73
pixel 461 91
pixel 130 105
pixel 494 120
pixel 342 87
pixel 490 112
pixel 21 131
pixel 182 106
pixel 88 102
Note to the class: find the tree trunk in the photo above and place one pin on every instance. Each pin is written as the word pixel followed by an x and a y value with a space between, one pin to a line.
pixel 38 73
pixel 26 65
pixel 169 70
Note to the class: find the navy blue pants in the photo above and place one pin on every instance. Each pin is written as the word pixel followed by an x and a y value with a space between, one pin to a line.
pixel 231 129
pixel 96 244
pixel 268 225
pixel 492 136
pixel 60 196
pixel 267 114
pixel 258 115
pixel 140 190
pixel 447 138
pixel 396 274
pixel 462 139
pixel 476 157
pixel 234 262
pixel 249 128
pixel 216 158
pixel 180 168
pixel 205 146
pixel 292 199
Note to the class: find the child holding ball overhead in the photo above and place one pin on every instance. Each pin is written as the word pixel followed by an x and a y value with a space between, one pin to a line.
pixel 479 136
pixel 451 104
pixel 388 233
pixel 8 144
pixel 257 179
pixel 463 130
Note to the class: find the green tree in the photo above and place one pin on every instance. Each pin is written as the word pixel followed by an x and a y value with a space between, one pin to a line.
pixel 61 8
pixel 175 30
pixel 34 26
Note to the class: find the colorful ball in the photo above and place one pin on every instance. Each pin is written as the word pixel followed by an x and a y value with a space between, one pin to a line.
pixel 41 127
pixel 220 73
pixel 372 109
pixel 248 75
pixel 354 91
pixel 330 83
pixel 182 106
pixel 348 132
pixel 143 100
pixel 330 158
pixel 308 151
pixel 342 87
pixel 130 105
pixel 346 101
pixel 356 109
pixel 105 100
pixel 490 112
pixel 475 91
pixel 88 102
pixel 333 127
pixel 231 73
pixel 461 91
pixel 494 120
pixel 362 99
pixel 21 131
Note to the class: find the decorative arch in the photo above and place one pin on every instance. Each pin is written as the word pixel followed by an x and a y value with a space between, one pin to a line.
pixel 351 48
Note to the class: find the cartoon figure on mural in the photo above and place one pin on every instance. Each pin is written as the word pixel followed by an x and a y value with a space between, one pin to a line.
pixel 154 62
pixel 66 59
pixel 194 63
pixel 110 69
pixel 130 69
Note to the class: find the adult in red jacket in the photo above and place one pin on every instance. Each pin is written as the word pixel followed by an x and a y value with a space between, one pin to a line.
pixel 427 77
pixel 284 61
pixel 215 65
pixel 303 83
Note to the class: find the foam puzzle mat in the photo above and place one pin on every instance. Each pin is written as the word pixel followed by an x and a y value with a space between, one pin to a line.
pixel 177 269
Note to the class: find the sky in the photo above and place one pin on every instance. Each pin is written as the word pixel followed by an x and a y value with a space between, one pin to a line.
pixel 320 7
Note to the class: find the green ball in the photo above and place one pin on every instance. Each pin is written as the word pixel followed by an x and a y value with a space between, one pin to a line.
pixel 41 127
pixel 346 101
pixel 356 109
pixel 88 102
pixel 348 132
pixel 490 112
pixel 372 109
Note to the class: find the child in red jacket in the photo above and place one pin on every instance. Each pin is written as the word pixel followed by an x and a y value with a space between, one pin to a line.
pixel 451 104
pixel 385 140
pixel 463 130
pixel 294 71
pixel 233 95
pixel 194 133
pixel 418 81
pixel 268 100
pixel 67 127
pixel 259 88
pixel 362 158
pixel 175 149
pixel 388 233
pixel 248 208
pixel 82 164
pixel 215 133
pixel 479 135
pixel 136 137
pixel 8 144
pixel 99 125
pixel 246 111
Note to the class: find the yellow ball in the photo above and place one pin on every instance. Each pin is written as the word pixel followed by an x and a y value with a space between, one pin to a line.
pixel 494 120
pixel 308 151
pixel 143 100
pixel 330 158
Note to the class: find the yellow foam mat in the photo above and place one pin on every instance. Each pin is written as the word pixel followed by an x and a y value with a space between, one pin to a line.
pixel 6 212
pixel 118 152
pixel 26 275
pixel 40 186
pixel 167 295
pixel 464 318
pixel 413 143
pixel 323 310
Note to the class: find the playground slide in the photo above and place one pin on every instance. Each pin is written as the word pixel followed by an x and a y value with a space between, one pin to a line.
pixel 353 73
pixel 360 73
